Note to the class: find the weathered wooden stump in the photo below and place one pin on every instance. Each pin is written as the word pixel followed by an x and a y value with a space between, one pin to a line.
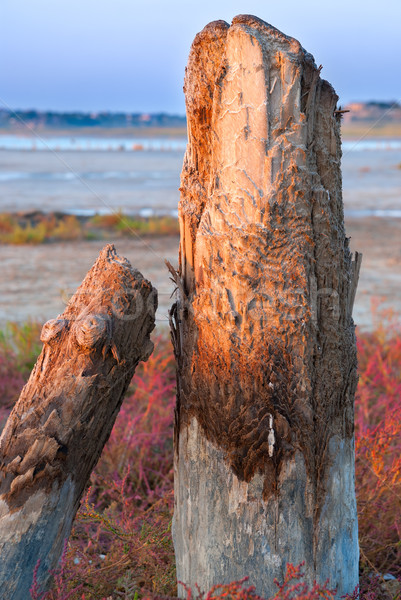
pixel 64 416
pixel 263 329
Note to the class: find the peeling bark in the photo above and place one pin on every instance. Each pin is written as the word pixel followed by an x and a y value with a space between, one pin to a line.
pixel 263 329
pixel 63 418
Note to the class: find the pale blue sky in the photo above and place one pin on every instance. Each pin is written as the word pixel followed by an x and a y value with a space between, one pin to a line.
pixel 130 55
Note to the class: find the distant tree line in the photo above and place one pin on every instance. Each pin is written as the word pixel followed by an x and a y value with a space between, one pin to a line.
pixel 56 120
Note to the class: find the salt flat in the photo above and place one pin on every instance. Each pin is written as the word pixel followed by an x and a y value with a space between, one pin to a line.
pixel 103 181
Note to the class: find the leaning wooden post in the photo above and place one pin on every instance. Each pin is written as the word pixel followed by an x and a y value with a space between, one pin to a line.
pixel 263 330
pixel 64 416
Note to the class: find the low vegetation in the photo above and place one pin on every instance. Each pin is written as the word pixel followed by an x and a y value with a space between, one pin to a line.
pixel 121 543
pixel 39 228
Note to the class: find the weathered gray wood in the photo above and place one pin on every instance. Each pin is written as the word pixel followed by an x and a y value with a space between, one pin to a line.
pixel 64 416
pixel 263 331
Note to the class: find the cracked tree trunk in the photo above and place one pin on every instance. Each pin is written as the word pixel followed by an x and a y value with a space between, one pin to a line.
pixel 263 329
pixel 64 416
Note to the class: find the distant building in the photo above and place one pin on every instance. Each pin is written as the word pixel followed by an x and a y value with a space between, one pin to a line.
pixel 385 112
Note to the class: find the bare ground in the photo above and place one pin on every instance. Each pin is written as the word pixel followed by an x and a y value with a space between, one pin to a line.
pixel 36 281
pixel 379 240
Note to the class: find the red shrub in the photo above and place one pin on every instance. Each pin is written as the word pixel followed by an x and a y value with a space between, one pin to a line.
pixel 292 588
pixel 378 450
pixel 121 543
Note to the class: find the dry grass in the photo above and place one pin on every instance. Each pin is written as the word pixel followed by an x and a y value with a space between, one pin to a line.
pixel 39 228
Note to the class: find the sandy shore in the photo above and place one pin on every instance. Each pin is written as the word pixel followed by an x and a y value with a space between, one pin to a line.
pixel 38 280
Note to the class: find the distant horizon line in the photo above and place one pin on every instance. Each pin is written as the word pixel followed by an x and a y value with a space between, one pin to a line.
pixel 92 112
pixel 176 114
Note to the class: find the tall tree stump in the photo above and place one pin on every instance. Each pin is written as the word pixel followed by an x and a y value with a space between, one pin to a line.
pixel 263 329
pixel 64 416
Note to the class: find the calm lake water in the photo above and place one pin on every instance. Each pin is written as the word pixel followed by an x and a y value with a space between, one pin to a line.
pixel 87 175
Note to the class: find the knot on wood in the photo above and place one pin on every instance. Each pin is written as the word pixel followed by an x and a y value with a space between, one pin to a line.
pixel 92 330
pixel 52 329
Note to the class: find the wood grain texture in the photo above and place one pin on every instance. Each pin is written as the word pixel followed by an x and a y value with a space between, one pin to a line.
pixel 64 416
pixel 263 331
